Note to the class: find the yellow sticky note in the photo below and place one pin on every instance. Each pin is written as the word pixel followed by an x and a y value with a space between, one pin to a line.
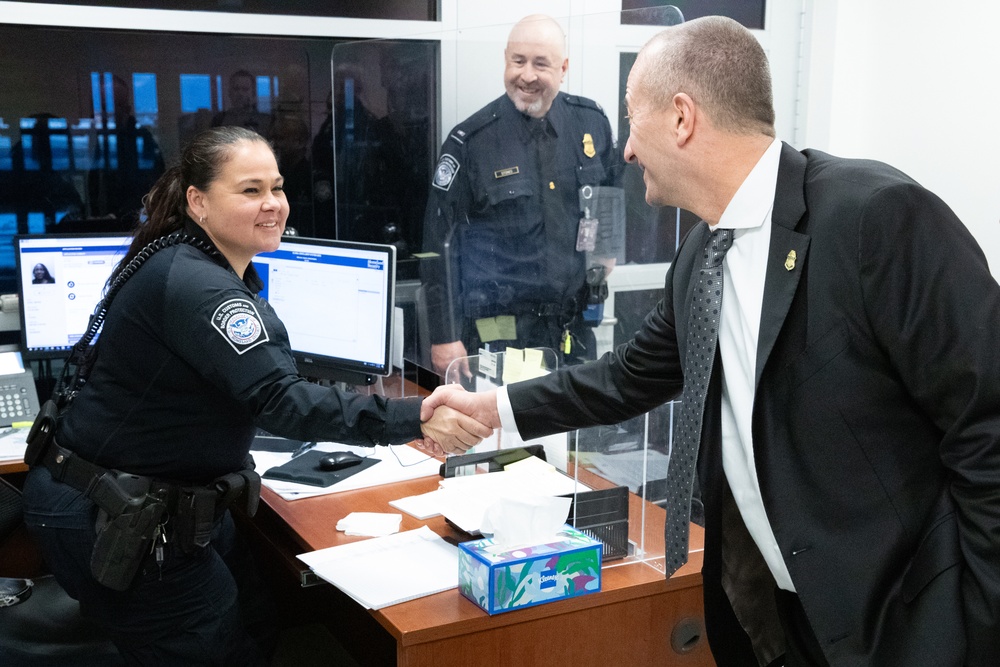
pixel 533 364
pixel 513 363
pixel 506 327
pixel 487 329
pixel 503 327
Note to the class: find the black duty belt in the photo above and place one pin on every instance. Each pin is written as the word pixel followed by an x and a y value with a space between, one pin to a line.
pixel 101 485
pixel 567 310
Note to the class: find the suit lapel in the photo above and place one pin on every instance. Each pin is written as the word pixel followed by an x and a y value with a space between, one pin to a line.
pixel 784 269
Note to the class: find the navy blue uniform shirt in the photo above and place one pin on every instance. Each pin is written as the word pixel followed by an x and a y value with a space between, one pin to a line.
pixel 505 201
pixel 191 361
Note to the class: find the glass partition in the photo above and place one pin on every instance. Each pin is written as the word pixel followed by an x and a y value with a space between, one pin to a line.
pixel 536 240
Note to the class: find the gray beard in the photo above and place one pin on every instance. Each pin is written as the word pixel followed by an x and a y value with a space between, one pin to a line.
pixel 531 109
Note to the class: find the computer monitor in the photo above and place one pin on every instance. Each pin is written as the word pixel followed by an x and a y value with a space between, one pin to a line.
pixel 336 300
pixel 60 280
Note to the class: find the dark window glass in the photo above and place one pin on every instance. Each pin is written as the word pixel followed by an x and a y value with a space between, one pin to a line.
pixel 87 129
pixel 652 233
pixel 412 10
pixel 748 12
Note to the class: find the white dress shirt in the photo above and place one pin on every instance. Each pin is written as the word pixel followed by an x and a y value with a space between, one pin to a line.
pixel 749 214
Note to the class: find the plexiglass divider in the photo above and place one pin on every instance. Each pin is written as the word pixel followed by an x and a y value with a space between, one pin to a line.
pixel 482 269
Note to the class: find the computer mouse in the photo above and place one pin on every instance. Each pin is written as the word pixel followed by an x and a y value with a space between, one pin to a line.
pixel 339 461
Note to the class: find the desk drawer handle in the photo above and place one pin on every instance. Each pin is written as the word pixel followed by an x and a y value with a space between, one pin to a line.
pixel 686 635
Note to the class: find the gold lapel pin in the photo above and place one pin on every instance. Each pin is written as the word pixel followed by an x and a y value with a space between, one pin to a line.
pixel 790 260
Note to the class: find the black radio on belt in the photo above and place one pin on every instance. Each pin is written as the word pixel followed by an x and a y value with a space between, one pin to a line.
pixel 597 294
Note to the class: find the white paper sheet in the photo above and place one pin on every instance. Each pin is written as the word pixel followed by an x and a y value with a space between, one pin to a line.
pixel 464 500
pixel 12 443
pixel 384 571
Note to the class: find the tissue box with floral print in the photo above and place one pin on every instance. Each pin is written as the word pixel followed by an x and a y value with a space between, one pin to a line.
pixel 500 579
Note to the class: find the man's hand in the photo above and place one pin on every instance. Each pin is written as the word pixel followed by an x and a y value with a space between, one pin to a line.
pixel 449 430
pixel 443 354
pixel 480 406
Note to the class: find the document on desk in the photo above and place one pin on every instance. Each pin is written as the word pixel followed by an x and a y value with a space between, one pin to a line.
pixel 13 442
pixel 384 571
pixel 397 464
pixel 464 500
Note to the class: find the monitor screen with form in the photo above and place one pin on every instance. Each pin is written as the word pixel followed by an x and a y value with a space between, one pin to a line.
pixel 60 281
pixel 336 300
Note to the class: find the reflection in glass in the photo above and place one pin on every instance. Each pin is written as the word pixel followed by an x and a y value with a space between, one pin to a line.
pixel 381 134
pixel 653 233
pixel 81 140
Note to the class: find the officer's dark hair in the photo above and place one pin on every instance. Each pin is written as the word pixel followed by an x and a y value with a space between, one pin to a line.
pixel 164 208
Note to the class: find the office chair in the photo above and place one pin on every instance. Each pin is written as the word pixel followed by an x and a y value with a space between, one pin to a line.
pixel 41 623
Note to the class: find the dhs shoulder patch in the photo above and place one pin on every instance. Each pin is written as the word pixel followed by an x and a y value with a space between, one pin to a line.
pixel 445 172
pixel 238 321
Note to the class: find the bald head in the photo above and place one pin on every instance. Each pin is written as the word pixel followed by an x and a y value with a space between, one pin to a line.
pixel 716 61
pixel 535 64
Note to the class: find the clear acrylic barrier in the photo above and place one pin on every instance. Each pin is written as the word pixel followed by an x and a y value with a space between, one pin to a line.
pixel 388 112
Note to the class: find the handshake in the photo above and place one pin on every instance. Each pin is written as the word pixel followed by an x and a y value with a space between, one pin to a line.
pixel 452 420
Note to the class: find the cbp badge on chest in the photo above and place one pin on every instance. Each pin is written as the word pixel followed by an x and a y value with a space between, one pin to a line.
pixel 239 323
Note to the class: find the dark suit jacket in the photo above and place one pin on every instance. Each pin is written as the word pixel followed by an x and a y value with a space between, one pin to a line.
pixel 876 419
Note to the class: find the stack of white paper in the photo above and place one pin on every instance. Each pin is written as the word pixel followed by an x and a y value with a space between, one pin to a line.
pixel 464 499
pixel 388 570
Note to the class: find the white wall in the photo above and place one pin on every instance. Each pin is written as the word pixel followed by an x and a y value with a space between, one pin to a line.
pixel 913 83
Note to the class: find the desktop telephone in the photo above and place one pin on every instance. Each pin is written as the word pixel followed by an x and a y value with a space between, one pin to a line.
pixel 18 398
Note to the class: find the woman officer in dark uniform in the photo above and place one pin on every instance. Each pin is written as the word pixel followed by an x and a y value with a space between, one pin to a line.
pixel 190 363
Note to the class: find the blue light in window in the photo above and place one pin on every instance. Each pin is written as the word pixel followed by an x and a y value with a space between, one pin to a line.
pixel 196 92
pixel 36 223
pixel 109 98
pixel 144 94
pixel 28 146
pixel 59 143
pixel 264 94
pixel 6 154
pixel 95 92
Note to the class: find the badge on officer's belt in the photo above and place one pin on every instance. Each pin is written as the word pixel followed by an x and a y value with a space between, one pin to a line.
pixel 588 145
pixel 445 172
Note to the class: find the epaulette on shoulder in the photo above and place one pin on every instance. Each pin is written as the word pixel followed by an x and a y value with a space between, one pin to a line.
pixel 473 124
pixel 585 102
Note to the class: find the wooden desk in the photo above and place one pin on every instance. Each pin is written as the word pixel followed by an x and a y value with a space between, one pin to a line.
pixel 629 621
pixel 12 465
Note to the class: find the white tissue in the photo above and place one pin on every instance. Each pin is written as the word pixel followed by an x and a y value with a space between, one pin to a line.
pixel 370 524
pixel 525 521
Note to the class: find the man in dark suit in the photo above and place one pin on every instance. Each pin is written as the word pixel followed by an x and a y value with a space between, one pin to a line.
pixel 849 454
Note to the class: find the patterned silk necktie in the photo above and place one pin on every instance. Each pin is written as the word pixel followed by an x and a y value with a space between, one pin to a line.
pixel 703 336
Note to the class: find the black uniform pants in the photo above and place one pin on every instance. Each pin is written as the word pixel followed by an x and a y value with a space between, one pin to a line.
pixel 187 612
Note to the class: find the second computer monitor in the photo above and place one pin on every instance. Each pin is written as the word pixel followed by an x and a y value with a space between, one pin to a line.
pixel 61 279
pixel 336 300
